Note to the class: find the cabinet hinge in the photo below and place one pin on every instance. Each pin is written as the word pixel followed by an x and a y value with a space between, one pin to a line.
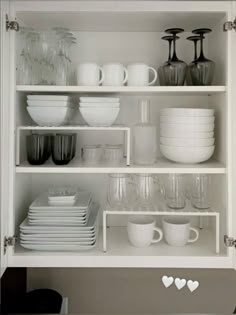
pixel 12 25
pixel 229 25
pixel 9 241
pixel 229 241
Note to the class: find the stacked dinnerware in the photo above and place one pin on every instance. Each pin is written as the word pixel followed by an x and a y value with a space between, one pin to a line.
pixel 61 223
pixel 99 111
pixel 187 134
pixel 50 110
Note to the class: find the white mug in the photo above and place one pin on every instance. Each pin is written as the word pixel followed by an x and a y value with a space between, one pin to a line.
pixel 141 231
pixel 115 74
pixel 139 74
pixel 88 74
pixel 177 231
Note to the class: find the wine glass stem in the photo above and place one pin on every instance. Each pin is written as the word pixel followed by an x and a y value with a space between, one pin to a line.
pixel 201 45
pixel 195 50
pixel 169 58
pixel 174 48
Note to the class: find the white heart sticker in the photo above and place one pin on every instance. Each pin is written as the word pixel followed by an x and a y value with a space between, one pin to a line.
pixel 192 285
pixel 167 281
pixel 180 283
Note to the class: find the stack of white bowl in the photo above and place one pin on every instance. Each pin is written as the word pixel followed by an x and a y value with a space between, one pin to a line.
pixel 187 134
pixel 99 111
pixel 50 110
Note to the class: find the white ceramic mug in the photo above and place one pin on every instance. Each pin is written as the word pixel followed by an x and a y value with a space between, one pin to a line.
pixel 177 231
pixel 139 74
pixel 115 74
pixel 141 231
pixel 90 74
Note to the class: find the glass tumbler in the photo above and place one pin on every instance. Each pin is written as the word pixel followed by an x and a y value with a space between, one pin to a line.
pixel 63 148
pixel 113 154
pixel 146 190
pixel 120 192
pixel 91 154
pixel 174 191
pixel 38 148
pixel 200 191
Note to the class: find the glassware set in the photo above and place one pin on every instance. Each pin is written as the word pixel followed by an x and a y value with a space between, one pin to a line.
pixel 40 147
pixel 142 192
pixel 45 57
pixel 109 153
pixel 173 72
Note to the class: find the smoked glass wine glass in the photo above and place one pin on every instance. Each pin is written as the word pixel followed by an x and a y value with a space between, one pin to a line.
pixel 178 67
pixel 202 70
pixel 195 40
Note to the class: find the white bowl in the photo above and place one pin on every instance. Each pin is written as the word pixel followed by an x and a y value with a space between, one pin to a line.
pixel 50 116
pixel 99 99
pixel 187 120
pixel 186 135
pixel 187 154
pixel 49 103
pixel 186 128
pixel 99 116
pixel 43 97
pixel 196 112
pixel 191 142
pixel 99 105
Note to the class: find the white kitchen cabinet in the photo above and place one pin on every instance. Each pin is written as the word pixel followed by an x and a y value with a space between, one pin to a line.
pixel 123 31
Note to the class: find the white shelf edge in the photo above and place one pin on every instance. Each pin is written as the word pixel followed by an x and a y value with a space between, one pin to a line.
pixel 125 170
pixel 122 89
pixel 75 127
pixel 165 212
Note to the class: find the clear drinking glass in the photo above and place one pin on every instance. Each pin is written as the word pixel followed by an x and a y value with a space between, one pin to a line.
pixel 146 190
pixel 200 191
pixel 91 154
pixel 38 148
pixel 174 191
pixel 120 192
pixel 113 154
pixel 63 148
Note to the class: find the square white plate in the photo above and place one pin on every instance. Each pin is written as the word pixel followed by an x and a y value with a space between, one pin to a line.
pixel 91 224
pixel 82 203
pixel 59 248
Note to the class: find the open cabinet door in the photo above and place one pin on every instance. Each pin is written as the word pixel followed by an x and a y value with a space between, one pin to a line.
pixel 4 105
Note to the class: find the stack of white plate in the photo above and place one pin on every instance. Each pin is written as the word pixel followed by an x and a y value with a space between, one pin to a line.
pixel 50 110
pixel 61 227
pixel 187 134
pixel 99 111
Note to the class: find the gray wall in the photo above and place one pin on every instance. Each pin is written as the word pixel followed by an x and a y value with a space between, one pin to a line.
pixel 139 291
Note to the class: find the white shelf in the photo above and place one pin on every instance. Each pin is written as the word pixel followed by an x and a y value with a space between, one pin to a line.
pixel 163 166
pixel 122 255
pixel 164 210
pixel 166 90
pixel 126 130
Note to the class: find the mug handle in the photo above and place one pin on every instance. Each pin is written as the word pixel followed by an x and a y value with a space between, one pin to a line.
pixel 196 237
pixel 102 75
pixel 159 238
pixel 126 76
pixel 155 75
